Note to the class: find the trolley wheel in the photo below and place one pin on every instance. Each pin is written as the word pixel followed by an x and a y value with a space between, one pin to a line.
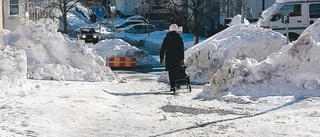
pixel 173 90
pixel 189 86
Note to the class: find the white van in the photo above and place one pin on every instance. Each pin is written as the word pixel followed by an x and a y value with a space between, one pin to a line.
pixel 302 14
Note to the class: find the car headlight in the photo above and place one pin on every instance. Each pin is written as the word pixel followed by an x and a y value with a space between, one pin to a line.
pixel 95 36
pixel 83 36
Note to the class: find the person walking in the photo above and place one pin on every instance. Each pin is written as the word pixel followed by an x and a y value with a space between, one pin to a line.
pixel 172 50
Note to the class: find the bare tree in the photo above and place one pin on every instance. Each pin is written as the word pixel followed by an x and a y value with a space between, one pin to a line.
pixel 65 6
pixel 61 6
pixel 200 11
pixel 190 13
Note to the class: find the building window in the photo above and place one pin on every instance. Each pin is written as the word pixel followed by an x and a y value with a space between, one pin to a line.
pixel 14 7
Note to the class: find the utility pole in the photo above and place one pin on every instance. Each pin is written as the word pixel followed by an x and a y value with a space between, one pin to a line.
pixel 263 5
pixel 107 9
pixel 149 17
pixel 242 11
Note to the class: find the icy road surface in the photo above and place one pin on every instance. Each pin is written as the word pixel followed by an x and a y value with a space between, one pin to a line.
pixel 140 106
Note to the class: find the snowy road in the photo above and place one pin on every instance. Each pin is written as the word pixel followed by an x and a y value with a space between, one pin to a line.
pixel 273 93
pixel 140 106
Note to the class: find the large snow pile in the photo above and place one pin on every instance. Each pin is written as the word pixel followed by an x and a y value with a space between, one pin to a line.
pixel 13 66
pixel 314 30
pixel 119 48
pixel 295 64
pixel 51 56
pixel 237 20
pixel 239 41
pixel 266 14
pixel 13 70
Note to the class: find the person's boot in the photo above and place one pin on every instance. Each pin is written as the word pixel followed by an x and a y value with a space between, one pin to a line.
pixel 172 89
pixel 178 86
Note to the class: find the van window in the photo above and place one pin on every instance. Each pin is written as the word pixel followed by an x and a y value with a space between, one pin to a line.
pixel 314 10
pixel 296 10
pixel 293 9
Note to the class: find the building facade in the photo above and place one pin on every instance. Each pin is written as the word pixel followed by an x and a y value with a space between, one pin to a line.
pixel 138 7
pixel 252 8
pixel 213 12
pixel 16 12
pixel 1 14
pixel 130 7
pixel 13 13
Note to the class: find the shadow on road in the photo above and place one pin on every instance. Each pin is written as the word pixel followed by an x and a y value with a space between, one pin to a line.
pixel 140 69
pixel 140 93
pixel 296 100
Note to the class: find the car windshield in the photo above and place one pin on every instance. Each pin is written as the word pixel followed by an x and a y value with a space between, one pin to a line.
pixel 127 27
pixel 87 30
pixel 135 17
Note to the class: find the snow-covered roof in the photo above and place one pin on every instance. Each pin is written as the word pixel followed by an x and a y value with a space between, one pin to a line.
pixel 302 1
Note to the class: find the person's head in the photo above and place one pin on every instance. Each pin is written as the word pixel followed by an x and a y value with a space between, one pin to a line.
pixel 173 27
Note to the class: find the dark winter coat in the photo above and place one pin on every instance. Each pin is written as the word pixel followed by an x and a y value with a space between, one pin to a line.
pixel 172 50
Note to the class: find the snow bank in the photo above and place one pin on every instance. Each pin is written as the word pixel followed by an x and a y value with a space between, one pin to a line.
pixel 295 64
pixel 266 14
pixel 119 48
pixel 142 40
pixel 239 41
pixel 78 16
pixel 152 43
pixel 84 11
pixel 314 30
pixel 51 56
pixel 237 20
pixel 13 70
pixel 14 66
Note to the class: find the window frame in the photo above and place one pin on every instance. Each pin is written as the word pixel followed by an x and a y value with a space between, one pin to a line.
pixel 296 10
pixel 12 6
pixel 316 6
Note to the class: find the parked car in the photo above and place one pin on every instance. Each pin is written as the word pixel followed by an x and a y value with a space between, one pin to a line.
pixel 140 28
pixel 160 24
pixel 129 22
pixel 89 35
pixel 138 17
